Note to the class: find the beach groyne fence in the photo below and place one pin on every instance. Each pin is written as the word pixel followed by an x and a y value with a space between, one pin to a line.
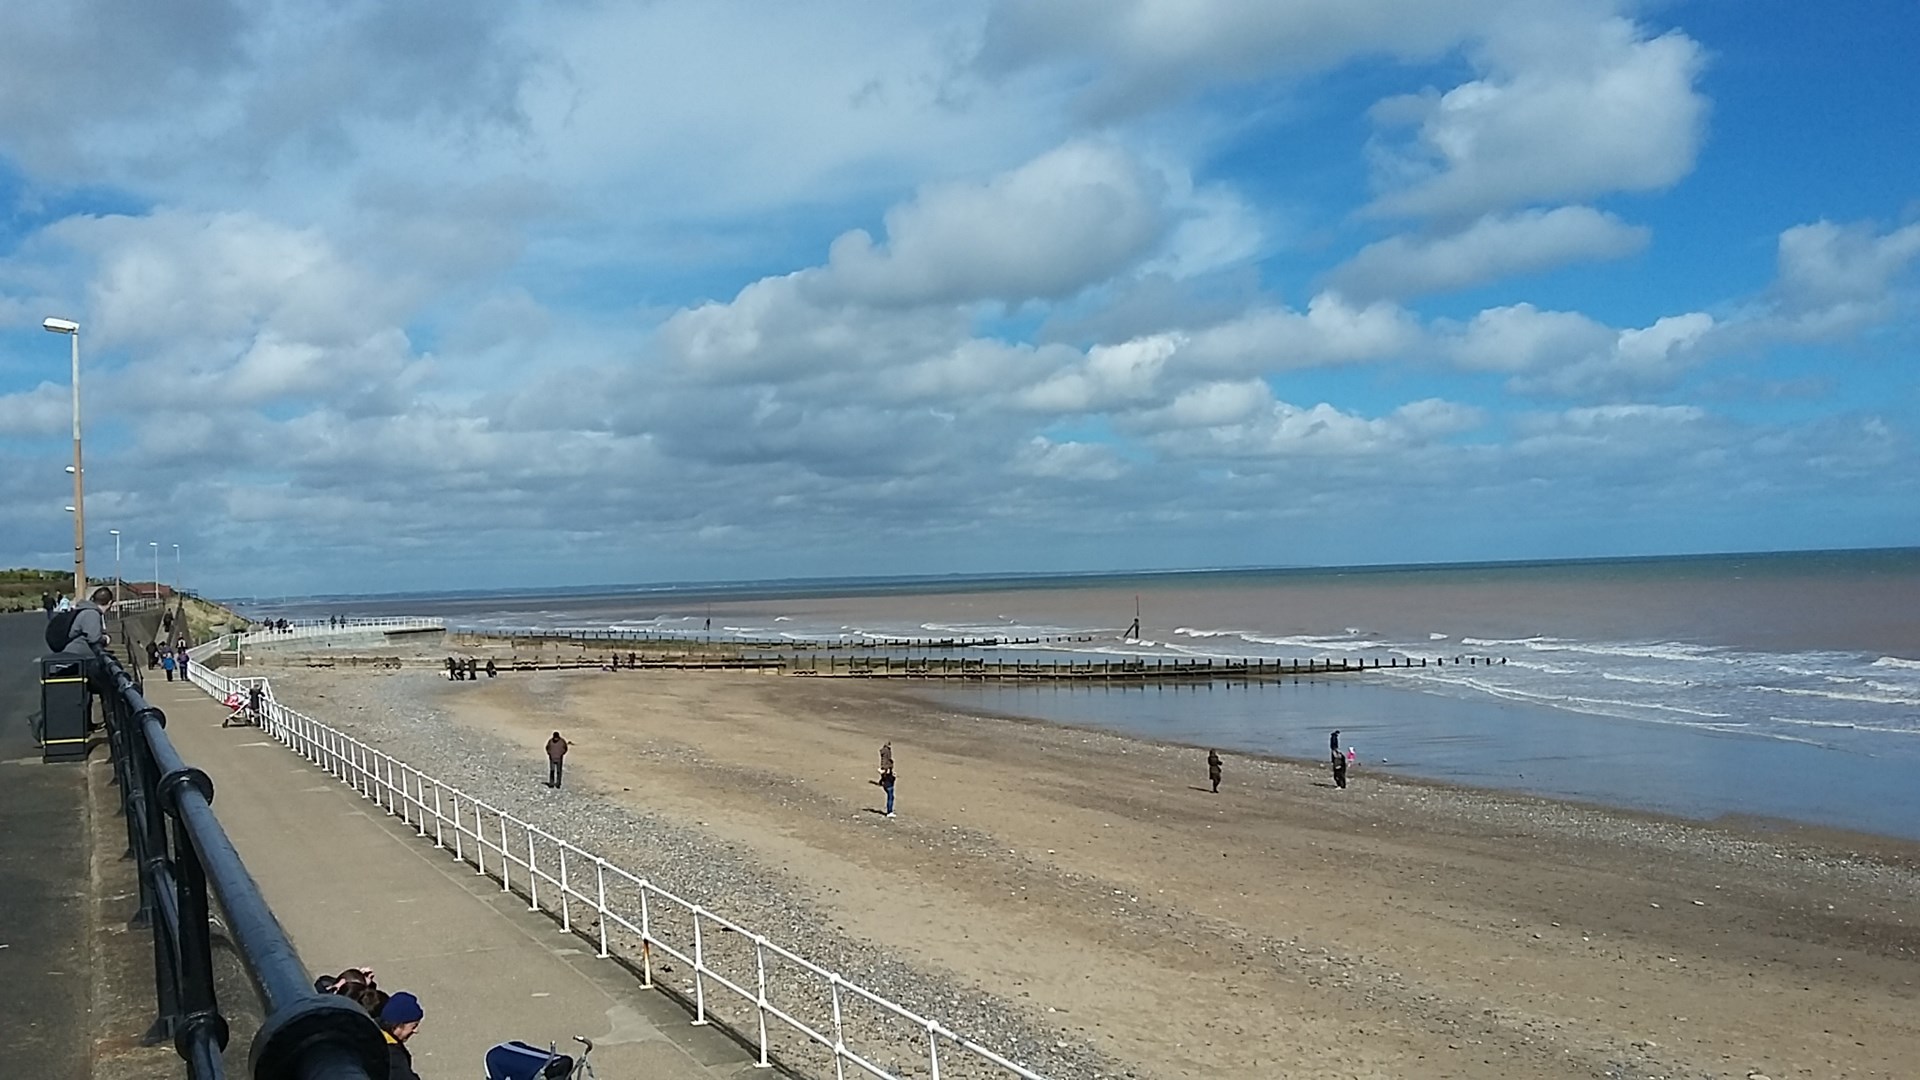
pixel 184 859
pixel 631 636
pixel 308 629
pixel 751 984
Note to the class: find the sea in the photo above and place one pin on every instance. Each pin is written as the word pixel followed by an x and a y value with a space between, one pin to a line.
pixel 1770 689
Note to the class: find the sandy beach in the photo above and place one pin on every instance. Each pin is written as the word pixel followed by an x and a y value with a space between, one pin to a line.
pixel 1281 927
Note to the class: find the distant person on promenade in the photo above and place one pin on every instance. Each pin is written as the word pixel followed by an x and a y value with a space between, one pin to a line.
pixel 153 655
pixel 886 774
pixel 556 759
pixel 167 664
pixel 184 658
pixel 1213 769
pixel 491 669
pixel 453 670
pixel 46 603
pixel 61 603
pixel 399 1018
pixel 473 669
pixel 256 703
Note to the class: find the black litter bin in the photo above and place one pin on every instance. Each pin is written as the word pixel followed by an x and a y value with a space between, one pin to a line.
pixel 64 704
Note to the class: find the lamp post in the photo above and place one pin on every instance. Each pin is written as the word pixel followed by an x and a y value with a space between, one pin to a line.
pixel 72 330
pixel 116 566
pixel 176 568
pixel 155 545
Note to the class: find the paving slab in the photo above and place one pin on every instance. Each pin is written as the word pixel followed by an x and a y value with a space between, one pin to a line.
pixel 352 886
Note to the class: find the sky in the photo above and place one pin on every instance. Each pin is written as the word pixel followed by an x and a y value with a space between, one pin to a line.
pixel 437 295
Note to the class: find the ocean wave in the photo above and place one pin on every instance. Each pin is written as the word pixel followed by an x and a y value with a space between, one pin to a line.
pixel 1436 637
pixel 1897 662
pixel 1841 695
pixel 1644 680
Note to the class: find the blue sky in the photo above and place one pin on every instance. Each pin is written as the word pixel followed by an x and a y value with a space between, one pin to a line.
pixel 431 296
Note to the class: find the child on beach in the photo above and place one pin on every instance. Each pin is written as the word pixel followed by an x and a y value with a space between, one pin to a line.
pixel 1213 769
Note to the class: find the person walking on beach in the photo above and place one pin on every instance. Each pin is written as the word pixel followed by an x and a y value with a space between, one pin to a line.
pixel 1339 759
pixel 1213 769
pixel 886 774
pixel 556 759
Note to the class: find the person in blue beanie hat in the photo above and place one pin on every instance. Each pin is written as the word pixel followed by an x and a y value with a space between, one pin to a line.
pixel 399 1018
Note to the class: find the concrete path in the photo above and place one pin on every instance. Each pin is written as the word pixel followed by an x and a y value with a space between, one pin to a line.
pixel 353 887
pixel 44 878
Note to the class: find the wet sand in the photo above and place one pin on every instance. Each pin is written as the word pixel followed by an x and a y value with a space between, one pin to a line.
pixel 1282 927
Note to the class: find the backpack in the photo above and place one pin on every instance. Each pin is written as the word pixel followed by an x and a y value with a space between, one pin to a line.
pixel 60 629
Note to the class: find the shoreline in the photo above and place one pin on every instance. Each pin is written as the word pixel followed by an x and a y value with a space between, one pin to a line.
pixel 1899 851
pixel 1402 928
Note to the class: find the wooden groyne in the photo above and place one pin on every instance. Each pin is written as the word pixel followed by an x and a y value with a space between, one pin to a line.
pixel 956 669
pixel 589 638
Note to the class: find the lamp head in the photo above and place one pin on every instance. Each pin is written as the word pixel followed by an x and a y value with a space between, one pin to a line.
pixel 113 532
pixel 61 326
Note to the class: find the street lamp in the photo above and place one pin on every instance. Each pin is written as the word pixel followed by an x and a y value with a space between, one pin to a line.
pixel 116 566
pixel 155 545
pixel 72 330
pixel 176 568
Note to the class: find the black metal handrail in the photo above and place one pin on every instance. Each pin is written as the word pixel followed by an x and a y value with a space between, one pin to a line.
pixel 184 856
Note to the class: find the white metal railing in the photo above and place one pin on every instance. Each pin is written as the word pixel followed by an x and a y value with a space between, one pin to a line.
pixel 314 628
pixel 629 912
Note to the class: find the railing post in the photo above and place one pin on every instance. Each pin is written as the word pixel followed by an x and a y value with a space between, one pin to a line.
pixel 438 817
pixel 699 971
pixel 600 909
pixel 760 967
pixel 506 860
pixel 646 936
pixel 566 902
pixel 933 1049
pixel 839 1031
pixel 533 876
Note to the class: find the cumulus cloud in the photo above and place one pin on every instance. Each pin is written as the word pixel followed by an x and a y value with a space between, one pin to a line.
pixel 1563 109
pixel 1834 280
pixel 1068 460
pixel 1134 54
pixel 1494 246
pixel 1246 422
pixel 1566 354
pixel 44 410
pixel 1068 219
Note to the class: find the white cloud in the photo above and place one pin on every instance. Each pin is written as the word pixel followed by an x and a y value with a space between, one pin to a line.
pixel 1494 246
pixel 1834 280
pixel 1244 421
pixel 1566 354
pixel 44 410
pixel 1136 54
pixel 1564 109
pixel 1043 457
pixel 1071 218
pixel 1331 331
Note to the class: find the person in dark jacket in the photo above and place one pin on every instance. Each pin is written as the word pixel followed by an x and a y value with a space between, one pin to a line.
pixel 399 1018
pixel 556 759
pixel 1213 769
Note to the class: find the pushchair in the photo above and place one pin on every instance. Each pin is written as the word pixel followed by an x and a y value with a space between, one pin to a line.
pixel 519 1061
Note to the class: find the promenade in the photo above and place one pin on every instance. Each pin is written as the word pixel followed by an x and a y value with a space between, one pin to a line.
pixel 349 888
pixel 44 932
pixel 354 888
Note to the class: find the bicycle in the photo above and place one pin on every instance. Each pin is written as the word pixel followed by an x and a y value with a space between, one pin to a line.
pixel 520 1061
